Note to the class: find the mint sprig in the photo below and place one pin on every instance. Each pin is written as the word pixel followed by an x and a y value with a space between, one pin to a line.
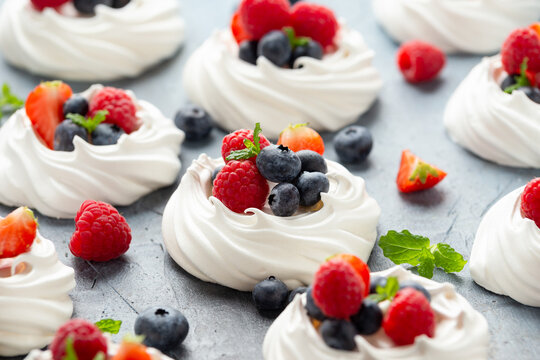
pixel 9 102
pixel 521 80
pixel 90 123
pixel 406 248
pixel 295 40
pixel 109 325
pixel 387 292
pixel 253 148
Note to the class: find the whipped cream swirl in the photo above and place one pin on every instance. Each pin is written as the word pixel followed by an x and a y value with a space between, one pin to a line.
pixel 34 302
pixel 461 332
pixel 500 127
pixel 56 183
pixel 329 93
pixel 471 26
pixel 218 245
pixel 114 43
pixel 505 257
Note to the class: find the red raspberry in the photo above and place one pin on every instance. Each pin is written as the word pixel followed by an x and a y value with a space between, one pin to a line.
pixel 409 316
pixel 235 141
pixel 258 17
pixel 87 339
pixel 42 4
pixel 315 21
pixel 530 201
pixel 122 110
pixel 420 61
pixel 240 186
pixel 101 233
pixel 521 44
pixel 360 266
pixel 338 290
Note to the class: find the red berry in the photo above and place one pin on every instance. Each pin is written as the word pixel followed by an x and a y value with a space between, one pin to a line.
pixel 420 61
pixel 415 174
pixel 240 186
pixel 87 339
pixel 238 31
pixel 521 44
pixel 42 4
pixel 301 137
pixel 409 316
pixel 315 21
pixel 338 290
pixel 530 201
pixel 122 110
pixel 359 266
pixel 101 233
pixel 17 232
pixel 258 17
pixel 235 141
pixel 132 351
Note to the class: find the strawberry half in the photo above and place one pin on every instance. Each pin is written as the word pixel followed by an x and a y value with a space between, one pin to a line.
pixel 238 31
pixel 301 137
pixel 415 174
pixel 44 109
pixel 17 232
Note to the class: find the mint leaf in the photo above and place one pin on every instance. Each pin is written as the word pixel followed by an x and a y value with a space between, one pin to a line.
pixel 426 264
pixel 253 148
pixel 70 350
pixel 386 293
pixel 293 39
pixel 9 102
pixel 100 356
pixel 448 259
pixel 404 247
pixel 521 80
pixel 109 325
pixel 421 172
pixel 91 123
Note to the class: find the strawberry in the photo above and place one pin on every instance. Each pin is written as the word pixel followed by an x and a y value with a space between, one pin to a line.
pixel 301 137
pixel 536 27
pixel 238 31
pixel 17 232
pixel 44 108
pixel 131 350
pixel 361 268
pixel 415 174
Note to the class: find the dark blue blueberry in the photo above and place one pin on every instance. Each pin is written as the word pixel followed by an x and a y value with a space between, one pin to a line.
pixel 284 199
pixel 297 291
pixel 278 163
pixel 106 134
pixel 117 4
pixel 270 294
pixel 248 51
pixel 276 47
pixel 87 6
pixel 194 121
pixel 338 334
pixel 311 185
pixel 216 172
pixel 294 1
pixel 377 280
pixel 312 49
pixel 415 285
pixel 312 161
pixel 312 308
pixel 508 81
pixel 532 92
pixel 368 319
pixel 164 328
pixel 353 144
pixel 76 105
pixel 64 134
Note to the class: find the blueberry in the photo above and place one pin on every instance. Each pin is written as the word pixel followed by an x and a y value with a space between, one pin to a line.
pixel 417 286
pixel 164 328
pixel 312 161
pixel 353 144
pixel 377 280
pixel 194 121
pixel 509 81
pixel 311 185
pixel 64 134
pixel 284 199
pixel 106 134
pixel 294 1
pixel 270 294
pixel 87 6
pixel 76 105
pixel 276 47
pixel 532 92
pixel 216 172
pixel 117 4
pixel 297 291
pixel 338 334
pixel 312 49
pixel 248 51
pixel 312 308
pixel 368 319
pixel 278 163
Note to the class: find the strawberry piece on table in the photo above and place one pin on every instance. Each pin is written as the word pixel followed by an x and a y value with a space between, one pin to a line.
pixel 17 232
pixel 415 174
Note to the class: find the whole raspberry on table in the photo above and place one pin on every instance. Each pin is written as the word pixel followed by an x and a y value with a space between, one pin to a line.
pixel 101 233
pixel 530 201
pixel 420 61
pixel 235 141
pixel 122 110
pixel 315 21
pixel 87 340
pixel 259 17
pixel 521 44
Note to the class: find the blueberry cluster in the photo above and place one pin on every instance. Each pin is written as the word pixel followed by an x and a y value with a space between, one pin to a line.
pixel 511 81
pixel 87 7
pixel 164 328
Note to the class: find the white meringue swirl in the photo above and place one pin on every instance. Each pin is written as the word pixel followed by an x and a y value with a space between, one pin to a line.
pixel 34 303
pixel 470 26
pixel 329 93
pixel 505 257
pixel 218 245
pixel 500 127
pixel 114 43
pixel 461 332
pixel 56 183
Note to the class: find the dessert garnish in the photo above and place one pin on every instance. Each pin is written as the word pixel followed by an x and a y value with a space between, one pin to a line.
pixel 110 326
pixel 9 102
pixel 530 201
pixel 17 232
pixel 301 137
pixel 420 61
pixel 415 174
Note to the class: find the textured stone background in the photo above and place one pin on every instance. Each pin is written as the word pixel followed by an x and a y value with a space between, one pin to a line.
pixel 224 324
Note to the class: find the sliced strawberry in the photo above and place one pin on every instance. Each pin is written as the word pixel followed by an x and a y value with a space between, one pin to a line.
pixel 44 108
pixel 130 350
pixel 361 268
pixel 17 232
pixel 238 31
pixel 415 174
pixel 301 137
pixel 536 27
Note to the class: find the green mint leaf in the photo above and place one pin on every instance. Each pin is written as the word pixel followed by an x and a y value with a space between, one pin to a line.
pixel 241 154
pixel 70 350
pixel 386 293
pixel 91 123
pixel 253 148
pixel 421 172
pixel 289 31
pixel 447 258
pixel 9 102
pixel 521 80
pixel 302 41
pixel 403 247
pixel 257 137
pixel 100 356
pixel 109 325
pixel 426 264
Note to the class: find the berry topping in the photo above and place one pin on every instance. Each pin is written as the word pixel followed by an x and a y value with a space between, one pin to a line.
pixel 278 163
pixel 301 137
pixel 237 29
pixel 311 49
pixel 248 51
pixel 101 233
pixel 75 105
pixel 44 107
pixel 259 17
pixel 86 339
pixel 420 61
pixel 521 44
pixel 194 121
pixel 216 172
pixel 312 161
pixel 311 185
pixel 284 199
pixel 42 4
pixel 87 7
pixel 359 266
pixel 65 133
pixel 17 232
pixel 276 47
pixel 164 328
pixel 414 285
pixel 270 294
pixel 338 334
pixel 237 141
pixel 106 134
pixel 132 350
pixel 415 174
pixel 240 186
pixel 312 309
pixel 353 144
pixel 122 110
pixel 530 201
pixel 315 21
pixel 369 319
pixel 118 4
pixel 409 316
pixel 375 282
pixel 298 291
